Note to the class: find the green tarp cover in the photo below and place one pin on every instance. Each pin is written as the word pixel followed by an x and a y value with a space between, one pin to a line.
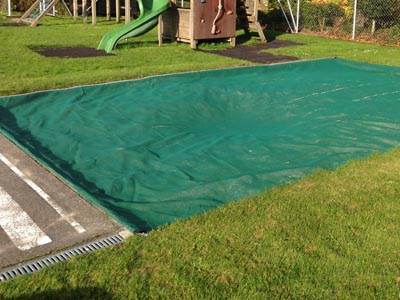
pixel 159 149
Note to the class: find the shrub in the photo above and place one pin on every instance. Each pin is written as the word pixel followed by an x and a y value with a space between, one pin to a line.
pixel 22 5
pixel 318 16
pixel 395 33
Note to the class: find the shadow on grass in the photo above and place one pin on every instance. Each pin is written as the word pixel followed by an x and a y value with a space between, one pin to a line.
pixel 244 37
pixel 132 43
pixel 67 294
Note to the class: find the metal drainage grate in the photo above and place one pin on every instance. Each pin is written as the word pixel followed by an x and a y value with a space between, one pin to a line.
pixel 41 263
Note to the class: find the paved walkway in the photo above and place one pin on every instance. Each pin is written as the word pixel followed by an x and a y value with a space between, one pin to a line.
pixel 39 214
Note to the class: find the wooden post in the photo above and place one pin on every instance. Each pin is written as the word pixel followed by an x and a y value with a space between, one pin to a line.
pixel 94 12
pixel 75 9
pixel 127 11
pixel 108 10
pixel 84 11
pixel 193 41
pixel 160 30
pixel 117 11
pixel 373 28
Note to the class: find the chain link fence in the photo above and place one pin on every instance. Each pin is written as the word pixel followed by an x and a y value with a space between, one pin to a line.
pixel 378 20
pixel 371 20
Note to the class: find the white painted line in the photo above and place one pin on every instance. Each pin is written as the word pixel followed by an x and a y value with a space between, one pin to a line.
pixel 17 224
pixel 78 227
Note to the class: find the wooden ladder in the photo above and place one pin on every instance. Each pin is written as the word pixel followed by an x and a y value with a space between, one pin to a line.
pixel 35 12
pixel 248 17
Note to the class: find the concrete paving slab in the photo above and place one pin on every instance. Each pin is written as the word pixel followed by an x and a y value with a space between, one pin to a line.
pixel 58 211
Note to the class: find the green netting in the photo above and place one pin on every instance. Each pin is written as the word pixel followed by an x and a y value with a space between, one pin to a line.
pixel 163 148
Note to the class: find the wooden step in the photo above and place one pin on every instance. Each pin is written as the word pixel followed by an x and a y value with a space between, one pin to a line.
pixel 27 20
pixel 249 15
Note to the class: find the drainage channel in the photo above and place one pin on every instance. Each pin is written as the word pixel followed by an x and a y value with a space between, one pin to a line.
pixel 36 265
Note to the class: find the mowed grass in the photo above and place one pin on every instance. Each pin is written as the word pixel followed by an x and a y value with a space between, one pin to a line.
pixel 316 47
pixel 23 70
pixel 332 235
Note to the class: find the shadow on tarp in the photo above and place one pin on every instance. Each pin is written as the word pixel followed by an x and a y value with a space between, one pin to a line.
pixel 30 144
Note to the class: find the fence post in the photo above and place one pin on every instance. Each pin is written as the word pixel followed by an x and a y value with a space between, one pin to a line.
pixel 354 20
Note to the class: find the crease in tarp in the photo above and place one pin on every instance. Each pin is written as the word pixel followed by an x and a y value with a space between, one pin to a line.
pixel 159 149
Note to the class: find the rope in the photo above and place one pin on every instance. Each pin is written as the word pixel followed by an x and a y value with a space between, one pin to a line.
pixel 214 26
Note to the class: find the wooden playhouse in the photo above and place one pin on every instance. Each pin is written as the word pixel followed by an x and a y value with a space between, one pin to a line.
pixel 190 21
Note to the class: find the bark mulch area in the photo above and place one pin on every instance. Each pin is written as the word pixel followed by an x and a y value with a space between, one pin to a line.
pixel 250 53
pixel 256 54
pixel 71 52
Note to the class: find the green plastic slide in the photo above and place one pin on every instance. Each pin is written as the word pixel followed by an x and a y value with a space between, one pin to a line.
pixel 148 19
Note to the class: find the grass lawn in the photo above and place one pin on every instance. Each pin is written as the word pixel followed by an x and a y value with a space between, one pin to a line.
pixel 332 235
pixel 316 47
